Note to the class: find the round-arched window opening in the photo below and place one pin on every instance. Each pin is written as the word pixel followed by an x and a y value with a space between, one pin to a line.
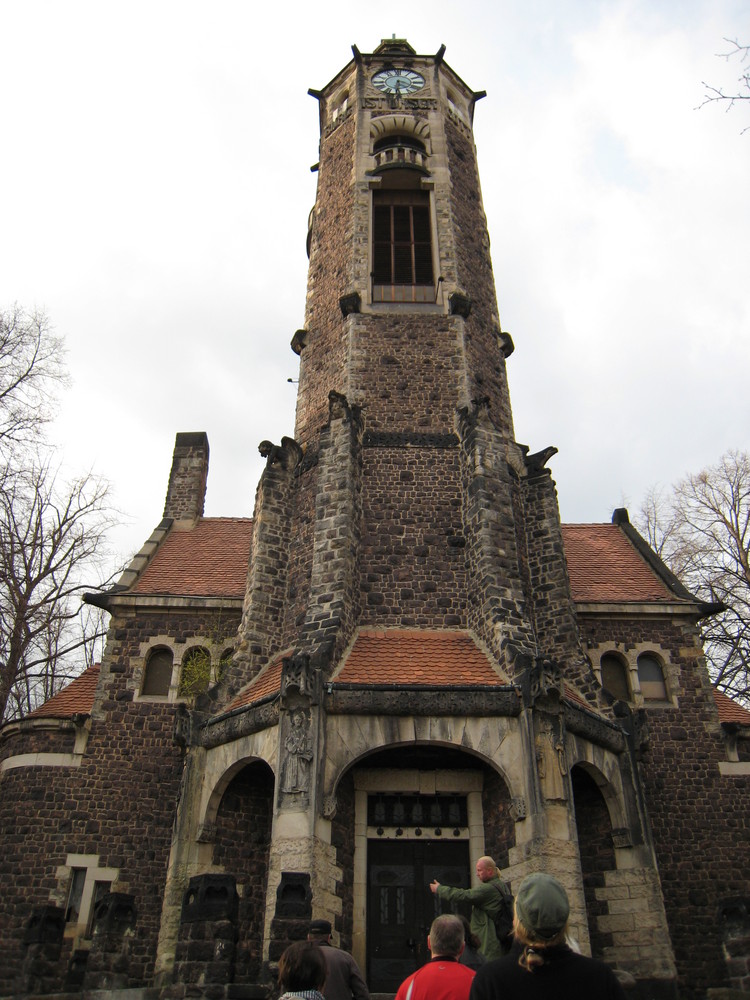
pixel 615 676
pixel 158 674
pixel 651 678
pixel 392 139
pixel 195 673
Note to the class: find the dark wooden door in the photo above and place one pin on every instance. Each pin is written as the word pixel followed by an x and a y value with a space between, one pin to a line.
pixel 400 905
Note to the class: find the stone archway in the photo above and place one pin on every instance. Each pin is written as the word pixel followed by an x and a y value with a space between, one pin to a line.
pixel 429 806
pixel 241 848
pixel 596 851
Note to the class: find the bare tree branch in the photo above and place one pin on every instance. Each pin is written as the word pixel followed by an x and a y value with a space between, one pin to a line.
pixel 701 529
pixel 51 549
pixel 31 370
pixel 713 94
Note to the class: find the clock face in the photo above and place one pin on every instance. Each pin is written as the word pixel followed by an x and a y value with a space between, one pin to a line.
pixel 398 81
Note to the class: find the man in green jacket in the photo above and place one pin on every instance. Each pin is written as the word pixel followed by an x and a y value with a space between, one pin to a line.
pixel 486 900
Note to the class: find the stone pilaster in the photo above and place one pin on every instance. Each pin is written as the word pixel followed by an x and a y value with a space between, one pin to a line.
pixel 265 594
pixel 499 614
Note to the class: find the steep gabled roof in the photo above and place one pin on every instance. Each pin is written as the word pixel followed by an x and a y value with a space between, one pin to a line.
pixel 605 567
pixel 76 698
pixel 207 559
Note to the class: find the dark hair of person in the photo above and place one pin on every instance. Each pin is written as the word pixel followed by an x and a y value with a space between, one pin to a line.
pixel 471 939
pixel 302 967
pixel 533 957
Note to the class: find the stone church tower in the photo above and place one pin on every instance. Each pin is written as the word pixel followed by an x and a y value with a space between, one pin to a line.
pixel 403 661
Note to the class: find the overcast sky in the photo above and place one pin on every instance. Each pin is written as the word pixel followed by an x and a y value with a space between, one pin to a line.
pixel 155 189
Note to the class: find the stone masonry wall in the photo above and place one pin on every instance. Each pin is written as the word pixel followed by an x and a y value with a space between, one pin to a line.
pixel 553 610
pixel 118 804
pixel 499 825
pixel 342 838
pixel 485 362
pixel 497 609
pixel 406 371
pixel 700 820
pixel 323 362
pixel 413 555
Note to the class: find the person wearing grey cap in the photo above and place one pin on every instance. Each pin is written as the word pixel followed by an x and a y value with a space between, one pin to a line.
pixel 344 980
pixel 540 965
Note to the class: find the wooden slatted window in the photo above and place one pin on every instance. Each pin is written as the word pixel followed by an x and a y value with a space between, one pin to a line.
pixel 402 246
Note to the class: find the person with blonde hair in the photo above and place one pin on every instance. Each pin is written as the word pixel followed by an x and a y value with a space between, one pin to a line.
pixel 487 899
pixel 541 965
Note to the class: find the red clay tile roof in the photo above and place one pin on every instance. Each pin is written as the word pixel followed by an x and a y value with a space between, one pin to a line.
pixel 77 697
pixel 266 683
pixel 604 567
pixel 208 560
pixel 729 710
pixel 399 656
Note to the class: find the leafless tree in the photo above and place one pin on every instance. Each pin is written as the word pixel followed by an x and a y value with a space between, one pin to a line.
pixel 51 532
pixel 51 550
pixel 31 370
pixel 701 529
pixel 741 92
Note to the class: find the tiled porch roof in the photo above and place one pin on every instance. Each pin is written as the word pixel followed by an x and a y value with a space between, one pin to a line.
pixel 406 656
pixel 76 698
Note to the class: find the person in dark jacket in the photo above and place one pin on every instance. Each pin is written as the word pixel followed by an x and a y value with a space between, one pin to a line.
pixel 344 980
pixel 471 955
pixel 540 965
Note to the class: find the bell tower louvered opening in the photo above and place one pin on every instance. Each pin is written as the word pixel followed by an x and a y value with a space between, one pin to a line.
pixel 402 246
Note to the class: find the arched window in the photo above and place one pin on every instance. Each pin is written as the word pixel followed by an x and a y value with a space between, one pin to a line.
pixel 615 676
pixel 158 674
pixel 195 672
pixel 651 678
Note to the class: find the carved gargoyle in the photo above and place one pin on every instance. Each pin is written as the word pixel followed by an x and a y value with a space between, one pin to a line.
pixel 536 462
pixel 288 454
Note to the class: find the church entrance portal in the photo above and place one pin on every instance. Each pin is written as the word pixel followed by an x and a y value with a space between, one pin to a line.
pixel 400 905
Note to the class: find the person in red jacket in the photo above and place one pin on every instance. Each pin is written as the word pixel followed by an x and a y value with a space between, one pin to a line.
pixel 443 978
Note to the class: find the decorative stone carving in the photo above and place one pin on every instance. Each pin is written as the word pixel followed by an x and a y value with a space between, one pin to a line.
pixel 339 408
pixel 330 804
pixel 350 303
pixel 552 765
pixel 288 454
pixel 299 341
pixel 299 675
pixel 622 837
pixel 540 678
pixel 460 304
pixel 536 462
pixel 299 754
pixel 518 808
pixel 505 343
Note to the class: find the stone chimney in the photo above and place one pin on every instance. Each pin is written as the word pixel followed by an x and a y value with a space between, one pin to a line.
pixel 186 493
